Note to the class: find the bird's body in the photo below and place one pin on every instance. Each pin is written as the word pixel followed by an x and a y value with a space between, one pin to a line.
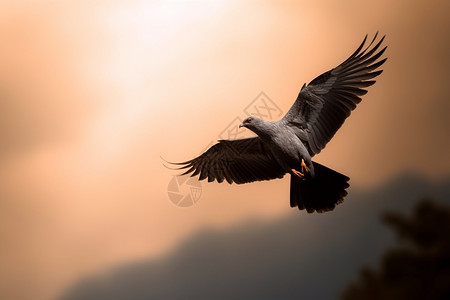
pixel 288 145
pixel 287 148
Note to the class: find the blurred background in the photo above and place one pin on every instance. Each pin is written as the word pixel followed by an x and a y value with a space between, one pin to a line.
pixel 94 93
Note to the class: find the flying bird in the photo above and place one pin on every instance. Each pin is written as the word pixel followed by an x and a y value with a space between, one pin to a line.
pixel 288 145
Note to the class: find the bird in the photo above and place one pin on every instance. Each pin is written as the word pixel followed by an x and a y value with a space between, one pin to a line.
pixel 288 145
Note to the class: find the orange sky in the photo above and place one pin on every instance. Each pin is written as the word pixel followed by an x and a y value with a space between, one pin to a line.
pixel 92 95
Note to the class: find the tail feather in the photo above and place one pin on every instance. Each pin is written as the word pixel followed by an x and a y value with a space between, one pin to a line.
pixel 321 193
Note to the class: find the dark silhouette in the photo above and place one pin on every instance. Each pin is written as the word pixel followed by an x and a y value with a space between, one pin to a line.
pixel 419 268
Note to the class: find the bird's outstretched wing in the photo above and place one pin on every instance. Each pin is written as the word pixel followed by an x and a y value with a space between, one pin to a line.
pixel 239 161
pixel 323 105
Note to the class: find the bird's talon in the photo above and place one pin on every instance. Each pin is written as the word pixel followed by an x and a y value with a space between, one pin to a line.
pixel 297 173
pixel 303 166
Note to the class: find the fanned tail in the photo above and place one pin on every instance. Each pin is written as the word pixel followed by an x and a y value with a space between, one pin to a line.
pixel 321 193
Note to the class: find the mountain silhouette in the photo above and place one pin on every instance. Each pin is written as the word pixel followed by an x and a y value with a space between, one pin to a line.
pixel 295 257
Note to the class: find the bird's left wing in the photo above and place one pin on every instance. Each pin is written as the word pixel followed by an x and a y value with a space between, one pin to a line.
pixel 323 105
pixel 239 161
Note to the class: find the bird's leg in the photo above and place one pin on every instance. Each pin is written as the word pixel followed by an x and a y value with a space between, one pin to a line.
pixel 303 170
pixel 297 173
pixel 303 167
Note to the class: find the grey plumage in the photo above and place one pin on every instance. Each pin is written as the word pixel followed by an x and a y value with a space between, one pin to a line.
pixel 279 147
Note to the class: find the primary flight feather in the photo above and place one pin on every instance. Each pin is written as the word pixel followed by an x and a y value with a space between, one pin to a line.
pixel 287 145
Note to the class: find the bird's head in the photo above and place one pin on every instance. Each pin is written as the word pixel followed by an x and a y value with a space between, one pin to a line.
pixel 259 126
pixel 251 123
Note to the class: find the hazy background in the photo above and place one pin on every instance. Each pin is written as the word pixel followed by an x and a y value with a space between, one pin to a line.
pixel 93 93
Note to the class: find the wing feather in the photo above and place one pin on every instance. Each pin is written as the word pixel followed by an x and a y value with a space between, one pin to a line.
pixel 239 161
pixel 323 105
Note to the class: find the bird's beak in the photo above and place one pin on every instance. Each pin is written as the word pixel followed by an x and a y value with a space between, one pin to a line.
pixel 241 125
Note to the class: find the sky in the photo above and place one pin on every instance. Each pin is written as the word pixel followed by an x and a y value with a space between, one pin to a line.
pixel 94 94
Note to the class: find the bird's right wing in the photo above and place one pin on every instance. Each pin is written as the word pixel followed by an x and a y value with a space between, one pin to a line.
pixel 239 161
